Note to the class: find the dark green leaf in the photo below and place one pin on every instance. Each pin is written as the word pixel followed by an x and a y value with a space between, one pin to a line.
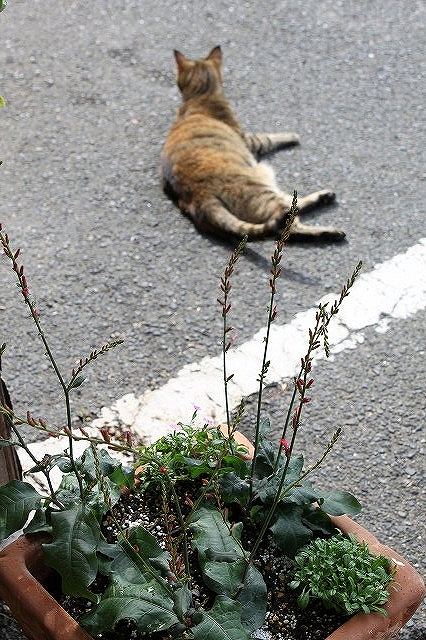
pixel 86 464
pixel 224 578
pixel 302 495
pixel 289 532
pixel 267 481
pixel 257 513
pixel 68 493
pixel 96 499
pixel 210 532
pixel 122 478
pixel 196 467
pixel 148 548
pixel 190 462
pixel 76 382
pixel 303 600
pixel 267 451
pixel 265 488
pixel 182 598
pixel 64 464
pixel 220 556
pixel 224 566
pixel 76 535
pixel 127 566
pixel 106 553
pixel 236 530
pixel 237 464
pixel 39 523
pixel 253 600
pixel 294 470
pixel 17 500
pixel 109 550
pixel 222 622
pixel 234 489
pixel 337 503
pixel 265 459
pixel 150 609
pixel 318 520
pixel 265 426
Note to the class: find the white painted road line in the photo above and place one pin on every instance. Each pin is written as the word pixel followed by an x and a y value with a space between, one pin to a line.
pixel 395 289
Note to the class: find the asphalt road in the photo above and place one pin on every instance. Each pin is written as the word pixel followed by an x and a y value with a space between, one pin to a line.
pixel 91 94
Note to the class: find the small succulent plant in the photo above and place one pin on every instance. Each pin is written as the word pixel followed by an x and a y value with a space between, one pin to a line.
pixel 344 575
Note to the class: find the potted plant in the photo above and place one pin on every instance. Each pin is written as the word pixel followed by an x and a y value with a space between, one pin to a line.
pixel 205 535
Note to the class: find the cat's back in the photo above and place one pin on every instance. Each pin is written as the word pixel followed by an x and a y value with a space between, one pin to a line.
pixel 200 144
pixel 202 130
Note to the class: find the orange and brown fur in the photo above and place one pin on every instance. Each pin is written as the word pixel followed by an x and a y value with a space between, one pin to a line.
pixel 210 167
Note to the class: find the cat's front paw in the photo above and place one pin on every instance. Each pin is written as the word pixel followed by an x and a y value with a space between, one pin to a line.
pixel 333 234
pixel 326 197
pixel 291 138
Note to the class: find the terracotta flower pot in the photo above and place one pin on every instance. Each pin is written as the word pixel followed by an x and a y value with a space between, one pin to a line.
pixel 23 573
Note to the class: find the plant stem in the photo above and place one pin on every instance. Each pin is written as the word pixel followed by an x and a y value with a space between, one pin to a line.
pixel 225 287
pixel 278 495
pixel 170 543
pixel 182 524
pixel 284 431
pixel 66 396
pixel 262 375
pixel 93 356
pixel 210 484
pixel 108 503
pixel 224 513
pixel 45 472
pixel 302 382
pixel 275 273
pixel 199 500
pixel 323 319
pixel 22 282
pixel 114 446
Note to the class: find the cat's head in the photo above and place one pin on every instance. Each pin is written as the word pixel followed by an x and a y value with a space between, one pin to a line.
pixel 199 77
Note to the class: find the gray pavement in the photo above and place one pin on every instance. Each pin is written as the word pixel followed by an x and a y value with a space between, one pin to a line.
pixel 90 91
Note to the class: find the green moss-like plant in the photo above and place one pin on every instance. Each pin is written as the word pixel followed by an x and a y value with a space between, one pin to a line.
pixel 344 575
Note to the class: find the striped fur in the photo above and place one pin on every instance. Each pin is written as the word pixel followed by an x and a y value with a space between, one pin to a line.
pixel 210 166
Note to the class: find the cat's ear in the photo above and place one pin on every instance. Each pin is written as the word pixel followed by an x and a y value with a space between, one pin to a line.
pixel 181 60
pixel 215 55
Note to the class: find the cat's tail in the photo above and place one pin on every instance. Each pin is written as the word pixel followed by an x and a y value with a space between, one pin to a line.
pixel 214 216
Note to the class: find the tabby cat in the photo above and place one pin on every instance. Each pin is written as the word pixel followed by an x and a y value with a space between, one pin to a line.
pixel 210 166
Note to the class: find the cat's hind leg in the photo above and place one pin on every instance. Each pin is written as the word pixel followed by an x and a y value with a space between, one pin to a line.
pixel 316 199
pixel 311 201
pixel 213 216
pixel 263 143
pixel 302 231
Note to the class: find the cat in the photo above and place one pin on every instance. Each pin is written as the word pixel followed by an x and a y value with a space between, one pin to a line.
pixel 210 167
